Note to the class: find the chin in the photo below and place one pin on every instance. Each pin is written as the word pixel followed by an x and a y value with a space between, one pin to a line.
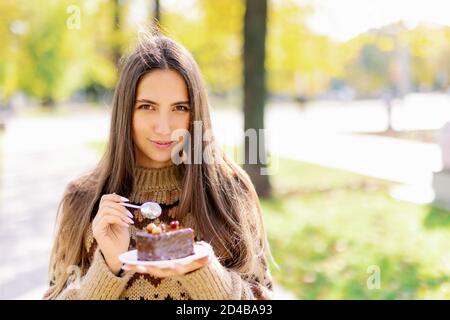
pixel 160 159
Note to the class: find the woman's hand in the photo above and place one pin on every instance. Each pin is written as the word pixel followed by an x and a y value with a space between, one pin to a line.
pixel 111 229
pixel 175 269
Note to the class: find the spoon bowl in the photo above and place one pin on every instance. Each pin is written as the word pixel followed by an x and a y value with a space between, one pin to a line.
pixel 150 210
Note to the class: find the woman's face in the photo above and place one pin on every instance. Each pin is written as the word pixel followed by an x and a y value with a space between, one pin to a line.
pixel 162 106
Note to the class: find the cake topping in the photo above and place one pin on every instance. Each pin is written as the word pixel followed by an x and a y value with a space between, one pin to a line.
pixel 156 230
pixel 174 224
pixel 153 228
pixel 150 227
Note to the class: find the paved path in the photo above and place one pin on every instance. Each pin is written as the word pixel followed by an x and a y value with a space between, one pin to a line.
pixel 290 135
pixel 40 157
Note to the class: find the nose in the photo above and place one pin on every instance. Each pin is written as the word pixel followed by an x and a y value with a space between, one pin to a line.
pixel 162 126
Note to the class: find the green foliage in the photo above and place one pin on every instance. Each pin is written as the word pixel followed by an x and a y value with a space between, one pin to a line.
pixel 213 33
pixel 50 59
pixel 373 60
pixel 298 61
pixel 45 58
pixel 370 70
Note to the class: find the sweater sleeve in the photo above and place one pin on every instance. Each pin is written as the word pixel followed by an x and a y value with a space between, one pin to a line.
pixel 216 282
pixel 98 283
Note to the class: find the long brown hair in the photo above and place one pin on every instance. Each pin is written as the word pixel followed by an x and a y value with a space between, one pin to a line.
pixel 220 196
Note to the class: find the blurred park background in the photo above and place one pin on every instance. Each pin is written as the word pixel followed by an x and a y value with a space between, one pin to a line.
pixel 354 97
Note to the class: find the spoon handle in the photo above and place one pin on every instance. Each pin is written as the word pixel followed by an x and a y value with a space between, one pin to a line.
pixel 130 205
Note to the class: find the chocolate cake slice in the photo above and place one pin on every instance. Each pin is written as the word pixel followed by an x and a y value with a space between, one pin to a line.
pixel 159 242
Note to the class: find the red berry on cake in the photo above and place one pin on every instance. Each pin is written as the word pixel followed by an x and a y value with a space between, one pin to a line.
pixel 174 224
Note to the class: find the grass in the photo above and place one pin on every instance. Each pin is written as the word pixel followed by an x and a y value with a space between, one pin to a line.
pixel 331 231
pixel 339 227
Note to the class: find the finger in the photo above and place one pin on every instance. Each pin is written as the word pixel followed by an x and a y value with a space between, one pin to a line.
pixel 108 212
pixel 111 219
pixel 176 270
pixel 145 269
pixel 203 261
pixel 116 212
pixel 195 265
pixel 120 210
pixel 129 267
pixel 137 268
pixel 160 272
pixel 173 269
pixel 117 206
pixel 108 220
pixel 112 197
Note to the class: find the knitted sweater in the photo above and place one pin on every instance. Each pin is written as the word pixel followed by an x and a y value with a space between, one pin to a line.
pixel 213 281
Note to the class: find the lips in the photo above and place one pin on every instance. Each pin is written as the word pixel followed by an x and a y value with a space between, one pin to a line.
pixel 161 144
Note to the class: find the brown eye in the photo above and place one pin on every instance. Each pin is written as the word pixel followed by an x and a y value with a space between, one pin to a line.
pixel 146 107
pixel 182 108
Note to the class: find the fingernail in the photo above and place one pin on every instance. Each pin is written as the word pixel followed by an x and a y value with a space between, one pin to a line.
pixel 130 220
pixel 130 214
pixel 124 199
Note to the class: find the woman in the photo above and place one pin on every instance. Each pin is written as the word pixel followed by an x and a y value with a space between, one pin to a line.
pixel 160 93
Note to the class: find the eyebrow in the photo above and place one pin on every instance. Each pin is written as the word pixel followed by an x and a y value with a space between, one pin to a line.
pixel 157 104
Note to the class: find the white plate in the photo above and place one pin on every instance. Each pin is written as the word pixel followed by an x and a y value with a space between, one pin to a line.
pixel 130 257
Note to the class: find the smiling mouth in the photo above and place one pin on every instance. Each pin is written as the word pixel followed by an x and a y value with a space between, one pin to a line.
pixel 161 144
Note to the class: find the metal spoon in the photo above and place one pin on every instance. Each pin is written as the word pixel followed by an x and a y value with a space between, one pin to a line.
pixel 150 210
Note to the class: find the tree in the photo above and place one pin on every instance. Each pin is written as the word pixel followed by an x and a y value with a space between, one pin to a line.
pixel 45 54
pixel 255 25
pixel 49 54
pixel 116 50
pixel 157 11
pixel 212 31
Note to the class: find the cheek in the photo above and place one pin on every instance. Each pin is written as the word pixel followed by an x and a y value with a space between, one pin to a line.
pixel 182 122
pixel 141 126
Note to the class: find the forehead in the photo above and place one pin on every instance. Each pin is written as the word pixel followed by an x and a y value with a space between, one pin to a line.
pixel 162 85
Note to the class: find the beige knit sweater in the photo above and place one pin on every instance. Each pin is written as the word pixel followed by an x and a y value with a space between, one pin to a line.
pixel 213 281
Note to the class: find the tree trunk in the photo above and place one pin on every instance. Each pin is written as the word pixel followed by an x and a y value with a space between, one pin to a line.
pixel 116 52
pixel 157 12
pixel 255 92
pixel 48 102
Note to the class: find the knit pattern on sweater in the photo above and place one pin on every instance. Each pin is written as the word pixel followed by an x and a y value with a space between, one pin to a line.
pixel 213 281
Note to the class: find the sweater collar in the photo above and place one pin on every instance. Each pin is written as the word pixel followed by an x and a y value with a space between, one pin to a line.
pixel 162 185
